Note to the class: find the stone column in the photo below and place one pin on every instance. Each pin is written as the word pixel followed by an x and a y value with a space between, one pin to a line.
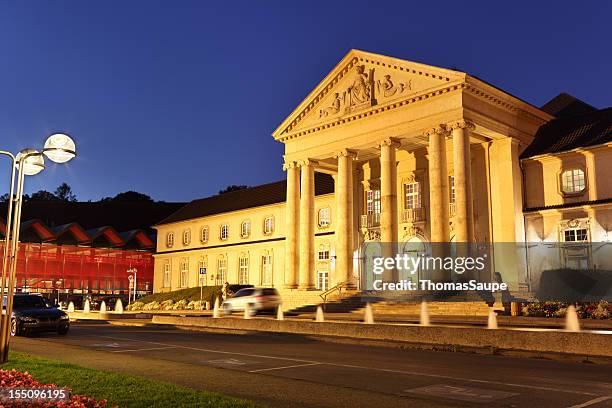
pixel 438 185
pixel 464 217
pixel 388 201
pixel 292 220
pixel 344 218
pixel 307 225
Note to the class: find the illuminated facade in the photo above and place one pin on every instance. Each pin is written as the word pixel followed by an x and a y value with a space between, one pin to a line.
pixel 416 154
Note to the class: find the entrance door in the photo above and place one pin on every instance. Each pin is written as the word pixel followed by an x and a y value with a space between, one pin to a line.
pixel 414 248
pixel 323 279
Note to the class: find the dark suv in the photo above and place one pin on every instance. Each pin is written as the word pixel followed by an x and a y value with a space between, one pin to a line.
pixel 34 313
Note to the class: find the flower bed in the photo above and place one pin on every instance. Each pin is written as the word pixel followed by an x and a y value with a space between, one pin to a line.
pixel 601 310
pixel 24 380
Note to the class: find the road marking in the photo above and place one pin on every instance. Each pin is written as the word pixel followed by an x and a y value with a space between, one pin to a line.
pixel 282 368
pixel 145 349
pixel 229 362
pixel 469 394
pixel 592 402
pixel 388 370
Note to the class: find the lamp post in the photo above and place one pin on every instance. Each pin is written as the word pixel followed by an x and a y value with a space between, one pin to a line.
pixel 59 148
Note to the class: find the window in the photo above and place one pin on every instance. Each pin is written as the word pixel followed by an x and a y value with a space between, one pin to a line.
pixel 323 254
pixel 184 281
pixel 224 232
pixel 324 217
pixel 576 235
pixel 412 195
pixel 221 270
pixel 373 201
pixel 170 239
pixel 204 235
pixel 243 273
pixel 187 237
pixel 572 181
pixel 167 274
pixel 266 269
pixel 451 189
pixel 245 229
pixel 268 225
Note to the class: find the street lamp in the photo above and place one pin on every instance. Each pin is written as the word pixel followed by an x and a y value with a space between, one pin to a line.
pixel 59 148
pixel 134 271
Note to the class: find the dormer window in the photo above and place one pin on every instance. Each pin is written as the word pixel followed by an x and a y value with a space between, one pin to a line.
pixel 572 181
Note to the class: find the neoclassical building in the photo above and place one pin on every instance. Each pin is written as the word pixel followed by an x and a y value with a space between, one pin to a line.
pixel 396 151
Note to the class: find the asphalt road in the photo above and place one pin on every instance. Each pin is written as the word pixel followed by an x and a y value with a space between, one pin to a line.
pixel 315 373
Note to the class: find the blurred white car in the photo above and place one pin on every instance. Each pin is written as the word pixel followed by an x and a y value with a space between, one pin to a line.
pixel 257 299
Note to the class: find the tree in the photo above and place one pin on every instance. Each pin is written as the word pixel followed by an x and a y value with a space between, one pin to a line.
pixel 64 193
pixel 130 196
pixel 232 187
pixel 43 195
pixel 4 198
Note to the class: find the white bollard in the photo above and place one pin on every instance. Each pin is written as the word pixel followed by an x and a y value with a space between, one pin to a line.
pixel 492 320
pixel 103 307
pixel 319 316
pixel 216 314
pixel 571 320
pixel 279 313
pixel 247 312
pixel 119 306
pixel 86 306
pixel 70 307
pixel 424 314
pixel 368 317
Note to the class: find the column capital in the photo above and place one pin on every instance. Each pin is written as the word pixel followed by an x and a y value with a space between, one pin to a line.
pixel 461 124
pixel 390 141
pixel 291 164
pixel 441 129
pixel 307 162
pixel 346 153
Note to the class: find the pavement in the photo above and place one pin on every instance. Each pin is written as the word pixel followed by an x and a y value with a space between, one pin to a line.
pixel 281 370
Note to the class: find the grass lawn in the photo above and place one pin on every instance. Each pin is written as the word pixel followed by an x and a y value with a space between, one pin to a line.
pixel 118 389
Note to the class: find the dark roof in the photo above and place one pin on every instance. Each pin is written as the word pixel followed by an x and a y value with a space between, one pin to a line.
pixel 564 105
pixel 121 215
pixel 569 133
pixel 569 205
pixel 265 194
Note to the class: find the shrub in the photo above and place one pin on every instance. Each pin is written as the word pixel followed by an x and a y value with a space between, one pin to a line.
pixel 135 306
pixel 600 310
pixel 151 306
pixel 180 305
pixel 17 379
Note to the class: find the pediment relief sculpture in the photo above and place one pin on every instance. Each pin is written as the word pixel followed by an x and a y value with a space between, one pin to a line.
pixel 363 91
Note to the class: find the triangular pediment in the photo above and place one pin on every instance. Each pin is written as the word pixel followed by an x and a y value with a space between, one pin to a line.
pixel 359 82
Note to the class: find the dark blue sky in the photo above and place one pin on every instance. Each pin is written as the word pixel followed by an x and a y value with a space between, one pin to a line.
pixel 178 99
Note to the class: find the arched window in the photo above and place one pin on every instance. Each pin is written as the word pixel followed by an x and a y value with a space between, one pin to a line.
pixel 268 225
pixel 187 237
pixel 204 234
pixel 224 232
pixel 170 239
pixel 245 229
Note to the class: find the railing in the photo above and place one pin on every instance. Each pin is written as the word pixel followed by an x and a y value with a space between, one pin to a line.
pixel 338 287
pixel 413 214
pixel 370 220
pixel 451 209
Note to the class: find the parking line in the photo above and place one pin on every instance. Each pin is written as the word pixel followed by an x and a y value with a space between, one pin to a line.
pixel 388 370
pixel 282 368
pixel 145 349
pixel 592 402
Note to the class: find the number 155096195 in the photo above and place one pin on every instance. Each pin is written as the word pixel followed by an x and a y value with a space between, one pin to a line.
pixel 34 394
